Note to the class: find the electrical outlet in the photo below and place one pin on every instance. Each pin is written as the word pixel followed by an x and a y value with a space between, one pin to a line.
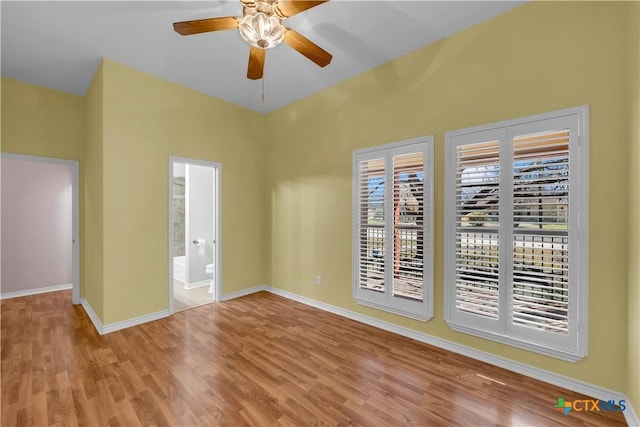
pixel 318 280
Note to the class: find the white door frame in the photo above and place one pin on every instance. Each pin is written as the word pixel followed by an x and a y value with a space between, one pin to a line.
pixel 217 253
pixel 75 213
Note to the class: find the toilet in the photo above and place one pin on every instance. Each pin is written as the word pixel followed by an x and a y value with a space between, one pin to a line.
pixel 209 270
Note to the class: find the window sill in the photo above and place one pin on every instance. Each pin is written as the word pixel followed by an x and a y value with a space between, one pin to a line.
pixel 416 316
pixel 547 351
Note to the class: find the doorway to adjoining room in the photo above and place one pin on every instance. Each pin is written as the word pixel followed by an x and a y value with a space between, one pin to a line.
pixel 40 226
pixel 194 233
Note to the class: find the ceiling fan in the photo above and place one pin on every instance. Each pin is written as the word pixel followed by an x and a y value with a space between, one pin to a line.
pixel 261 26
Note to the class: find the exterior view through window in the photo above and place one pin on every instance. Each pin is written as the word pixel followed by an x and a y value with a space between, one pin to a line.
pixel 515 199
pixel 392 195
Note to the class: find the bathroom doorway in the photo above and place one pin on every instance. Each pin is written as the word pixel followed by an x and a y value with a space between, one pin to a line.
pixel 194 233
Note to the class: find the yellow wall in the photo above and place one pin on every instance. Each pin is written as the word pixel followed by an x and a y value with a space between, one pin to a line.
pixel 37 121
pixel 537 58
pixel 147 119
pixel 92 283
pixel 134 122
pixel 633 364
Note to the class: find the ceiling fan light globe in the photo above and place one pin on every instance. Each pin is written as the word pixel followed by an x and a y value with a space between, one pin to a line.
pixel 261 30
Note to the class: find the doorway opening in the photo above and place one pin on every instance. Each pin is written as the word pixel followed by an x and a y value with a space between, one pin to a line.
pixel 194 233
pixel 40 224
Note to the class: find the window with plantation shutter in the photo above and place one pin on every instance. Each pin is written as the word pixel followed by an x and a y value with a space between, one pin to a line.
pixel 516 247
pixel 393 227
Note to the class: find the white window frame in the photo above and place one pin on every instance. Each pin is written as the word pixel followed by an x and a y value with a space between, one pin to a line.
pixel 419 310
pixel 573 346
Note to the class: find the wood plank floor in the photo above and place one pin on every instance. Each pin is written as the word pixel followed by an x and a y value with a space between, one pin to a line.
pixel 259 360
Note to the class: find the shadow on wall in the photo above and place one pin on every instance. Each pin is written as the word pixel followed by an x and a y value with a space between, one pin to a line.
pixel 310 233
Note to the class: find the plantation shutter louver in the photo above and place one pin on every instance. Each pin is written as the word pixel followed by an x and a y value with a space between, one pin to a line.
pixel 372 220
pixel 408 235
pixel 541 184
pixel 477 214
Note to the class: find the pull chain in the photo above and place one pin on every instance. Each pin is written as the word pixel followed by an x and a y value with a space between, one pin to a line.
pixel 262 89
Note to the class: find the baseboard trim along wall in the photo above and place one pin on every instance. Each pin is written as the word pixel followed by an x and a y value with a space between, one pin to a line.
pixel 631 417
pixel 92 315
pixel 36 291
pixel 200 284
pixel 105 329
pixel 520 368
pixel 245 292
pixel 112 327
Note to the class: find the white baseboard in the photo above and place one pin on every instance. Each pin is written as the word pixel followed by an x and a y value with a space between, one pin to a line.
pixel 112 327
pixel 105 329
pixel 200 284
pixel 521 368
pixel 244 292
pixel 92 315
pixel 36 291
pixel 631 417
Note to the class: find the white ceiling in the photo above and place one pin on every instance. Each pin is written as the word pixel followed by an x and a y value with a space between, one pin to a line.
pixel 58 44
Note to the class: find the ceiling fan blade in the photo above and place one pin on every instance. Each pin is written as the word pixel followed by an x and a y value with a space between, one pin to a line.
pixel 256 63
pixel 288 8
pixel 308 48
pixel 186 28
